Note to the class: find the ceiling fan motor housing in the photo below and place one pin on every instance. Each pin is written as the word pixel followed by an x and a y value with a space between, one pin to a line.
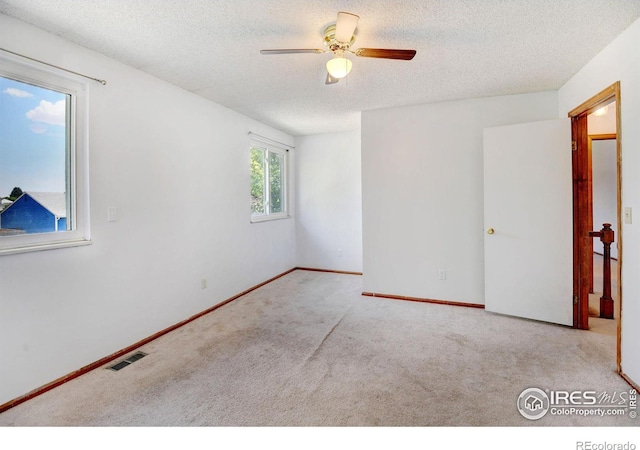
pixel 330 39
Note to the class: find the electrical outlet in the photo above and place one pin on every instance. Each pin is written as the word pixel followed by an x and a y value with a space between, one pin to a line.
pixel 203 283
pixel 442 274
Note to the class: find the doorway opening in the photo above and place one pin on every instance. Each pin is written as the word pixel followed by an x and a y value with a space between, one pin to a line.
pixel 587 214
pixel 602 148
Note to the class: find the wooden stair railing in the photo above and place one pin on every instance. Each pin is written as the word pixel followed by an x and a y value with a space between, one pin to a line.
pixel 606 236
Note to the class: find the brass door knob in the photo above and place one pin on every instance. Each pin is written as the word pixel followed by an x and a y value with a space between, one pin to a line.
pixel 490 231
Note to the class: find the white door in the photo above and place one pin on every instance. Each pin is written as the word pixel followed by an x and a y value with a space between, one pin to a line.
pixel 528 205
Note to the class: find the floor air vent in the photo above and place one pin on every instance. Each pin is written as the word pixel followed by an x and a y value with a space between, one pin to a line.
pixel 130 360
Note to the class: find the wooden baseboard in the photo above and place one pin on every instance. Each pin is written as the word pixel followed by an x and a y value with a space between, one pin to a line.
pixel 107 359
pixel 423 300
pixel 329 271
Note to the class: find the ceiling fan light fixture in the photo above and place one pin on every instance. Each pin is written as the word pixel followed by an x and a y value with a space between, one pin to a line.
pixel 338 39
pixel 339 67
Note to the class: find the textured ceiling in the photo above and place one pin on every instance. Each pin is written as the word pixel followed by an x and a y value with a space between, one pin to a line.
pixel 465 49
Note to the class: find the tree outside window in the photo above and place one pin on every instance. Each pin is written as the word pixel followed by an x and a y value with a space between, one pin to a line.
pixel 268 176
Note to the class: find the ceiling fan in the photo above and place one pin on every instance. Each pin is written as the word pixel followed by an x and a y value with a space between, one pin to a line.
pixel 338 38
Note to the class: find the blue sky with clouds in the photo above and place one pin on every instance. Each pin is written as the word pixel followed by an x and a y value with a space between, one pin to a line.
pixel 32 138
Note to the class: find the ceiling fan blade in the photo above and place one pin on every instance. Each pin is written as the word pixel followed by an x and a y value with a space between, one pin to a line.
pixel 385 53
pixel 286 51
pixel 346 26
pixel 331 80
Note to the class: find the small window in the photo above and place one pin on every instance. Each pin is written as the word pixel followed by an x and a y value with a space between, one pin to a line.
pixel 43 176
pixel 268 183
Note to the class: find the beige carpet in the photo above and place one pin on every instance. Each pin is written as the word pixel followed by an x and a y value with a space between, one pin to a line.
pixel 308 349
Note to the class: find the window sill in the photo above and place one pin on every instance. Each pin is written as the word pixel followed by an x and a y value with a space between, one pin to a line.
pixel 44 246
pixel 258 219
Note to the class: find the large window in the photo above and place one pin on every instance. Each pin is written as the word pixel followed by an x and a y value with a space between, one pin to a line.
pixel 43 159
pixel 268 183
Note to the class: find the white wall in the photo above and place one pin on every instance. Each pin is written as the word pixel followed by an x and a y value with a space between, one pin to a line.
pixel 605 191
pixel 423 193
pixel 620 61
pixel 329 201
pixel 177 168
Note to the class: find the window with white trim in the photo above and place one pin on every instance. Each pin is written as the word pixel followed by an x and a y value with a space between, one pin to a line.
pixel 43 158
pixel 268 182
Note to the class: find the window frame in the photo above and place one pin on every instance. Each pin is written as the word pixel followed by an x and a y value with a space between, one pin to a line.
pixel 284 174
pixel 76 156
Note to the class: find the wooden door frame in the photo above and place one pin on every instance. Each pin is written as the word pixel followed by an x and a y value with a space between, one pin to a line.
pixel 582 214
